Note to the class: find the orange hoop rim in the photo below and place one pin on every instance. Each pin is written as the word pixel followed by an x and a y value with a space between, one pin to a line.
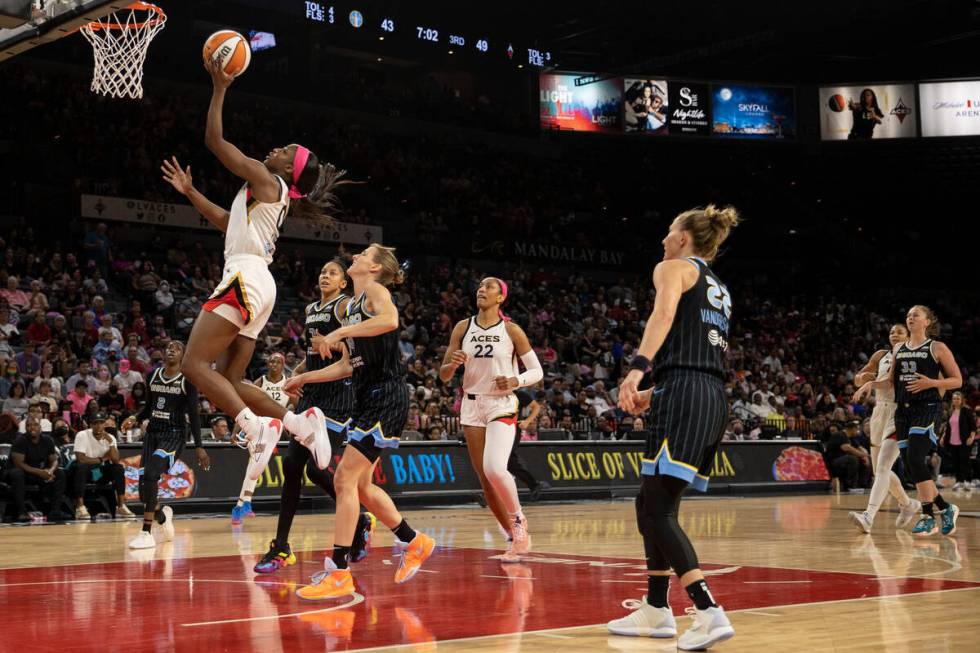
pixel 158 18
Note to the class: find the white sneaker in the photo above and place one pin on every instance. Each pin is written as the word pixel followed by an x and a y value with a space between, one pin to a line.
pixel 908 513
pixel 262 447
pixel 168 524
pixel 81 512
pixel 522 539
pixel 975 482
pixel 319 441
pixel 710 627
pixel 860 520
pixel 957 486
pixel 644 621
pixel 124 511
pixel 143 541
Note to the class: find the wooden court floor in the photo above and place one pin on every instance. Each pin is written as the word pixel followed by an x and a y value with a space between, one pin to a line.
pixel 792 572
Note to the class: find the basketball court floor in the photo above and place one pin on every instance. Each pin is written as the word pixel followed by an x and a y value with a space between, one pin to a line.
pixel 791 571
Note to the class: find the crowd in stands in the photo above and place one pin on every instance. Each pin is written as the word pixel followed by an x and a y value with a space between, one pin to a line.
pixel 84 320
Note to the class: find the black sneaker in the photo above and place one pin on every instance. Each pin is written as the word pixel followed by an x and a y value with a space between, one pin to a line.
pixel 361 545
pixel 275 559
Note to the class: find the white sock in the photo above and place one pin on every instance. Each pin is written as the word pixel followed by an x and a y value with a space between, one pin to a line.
pixel 248 422
pixel 297 425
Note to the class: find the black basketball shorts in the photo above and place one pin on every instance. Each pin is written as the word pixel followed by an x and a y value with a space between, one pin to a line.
pixel 917 419
pixel 688 414
pixel 380 413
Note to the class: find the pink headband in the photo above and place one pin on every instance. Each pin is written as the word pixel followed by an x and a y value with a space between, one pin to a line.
pixel 299 165
pixel 503 291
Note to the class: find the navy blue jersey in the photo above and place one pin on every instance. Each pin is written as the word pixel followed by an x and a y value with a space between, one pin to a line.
pixel 909 362
pixel 334 397
pixel 375 359
pixel 698 338
pixel 172 405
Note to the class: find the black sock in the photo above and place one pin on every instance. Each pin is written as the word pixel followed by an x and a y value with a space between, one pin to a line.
pixel 147 525
pixel 927 508
pixel 940 502
pixel 340 556
pixel 159 516
pixel 657 587
pixel 404 532
pixel 698 591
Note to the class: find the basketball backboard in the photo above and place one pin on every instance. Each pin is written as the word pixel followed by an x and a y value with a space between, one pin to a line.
pixel 51 20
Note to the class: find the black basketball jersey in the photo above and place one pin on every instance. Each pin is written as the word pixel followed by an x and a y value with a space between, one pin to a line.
pixel 331 396
pixel 907 364
pixel 172 404
pixel 698 338
pixel 375 359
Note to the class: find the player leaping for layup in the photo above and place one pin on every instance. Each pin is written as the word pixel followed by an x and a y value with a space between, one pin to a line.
pixel 232 318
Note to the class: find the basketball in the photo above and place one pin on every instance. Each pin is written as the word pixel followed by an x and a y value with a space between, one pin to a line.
pixel 836 103
pixel 231 49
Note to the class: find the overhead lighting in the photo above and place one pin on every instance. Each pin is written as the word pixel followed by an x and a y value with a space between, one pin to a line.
pixel 450 52
pixel 381 38
pixel 379 58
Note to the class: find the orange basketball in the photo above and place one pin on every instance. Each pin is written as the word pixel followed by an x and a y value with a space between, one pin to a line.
pixel 231 49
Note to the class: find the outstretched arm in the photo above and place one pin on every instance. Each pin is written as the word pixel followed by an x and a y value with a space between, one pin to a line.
pixel 263 183
pixel 181 180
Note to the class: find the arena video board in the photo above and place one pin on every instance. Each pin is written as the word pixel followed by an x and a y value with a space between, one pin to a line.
pixel 749 111
pixel 594 107
pixel 950 108
pixel 867 112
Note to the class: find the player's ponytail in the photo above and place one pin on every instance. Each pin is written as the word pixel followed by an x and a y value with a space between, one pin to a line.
pixel 314 186
pixel 392 272
pixel 709 227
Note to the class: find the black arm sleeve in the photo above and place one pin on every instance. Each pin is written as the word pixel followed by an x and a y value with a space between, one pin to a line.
pixel 193 412
pixel 144 412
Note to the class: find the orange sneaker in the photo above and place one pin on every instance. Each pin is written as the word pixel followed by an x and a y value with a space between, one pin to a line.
pixel 417 552
pixel 332 583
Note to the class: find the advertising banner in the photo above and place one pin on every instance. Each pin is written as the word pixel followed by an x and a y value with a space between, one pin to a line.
pixel 867 112
pixel 743 111
pixel 950 108
pixel 444 468
pixel 689 108
pixel 592 108
pixel 164 214
pixel 646 106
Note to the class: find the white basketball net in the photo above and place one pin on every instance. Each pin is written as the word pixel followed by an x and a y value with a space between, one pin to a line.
pixel 119 43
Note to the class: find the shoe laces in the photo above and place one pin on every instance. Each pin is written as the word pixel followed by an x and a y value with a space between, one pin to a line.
pixel 698 615
pixel 519 529
pixel 240 441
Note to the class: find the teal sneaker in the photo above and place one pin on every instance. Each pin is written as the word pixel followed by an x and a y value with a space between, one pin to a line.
pixel 925 526
pixel 948 519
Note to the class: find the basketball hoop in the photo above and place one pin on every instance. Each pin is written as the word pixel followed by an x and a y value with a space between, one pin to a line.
pixel 119 43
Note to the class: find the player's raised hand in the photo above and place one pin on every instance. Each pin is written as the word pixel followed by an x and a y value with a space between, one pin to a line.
pixel 180 179
pixel 219 77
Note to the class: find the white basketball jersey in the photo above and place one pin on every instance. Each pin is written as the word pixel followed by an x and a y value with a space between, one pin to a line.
pixel 253 226
pixel 489 353
pixel 275 390
pixel 884 369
